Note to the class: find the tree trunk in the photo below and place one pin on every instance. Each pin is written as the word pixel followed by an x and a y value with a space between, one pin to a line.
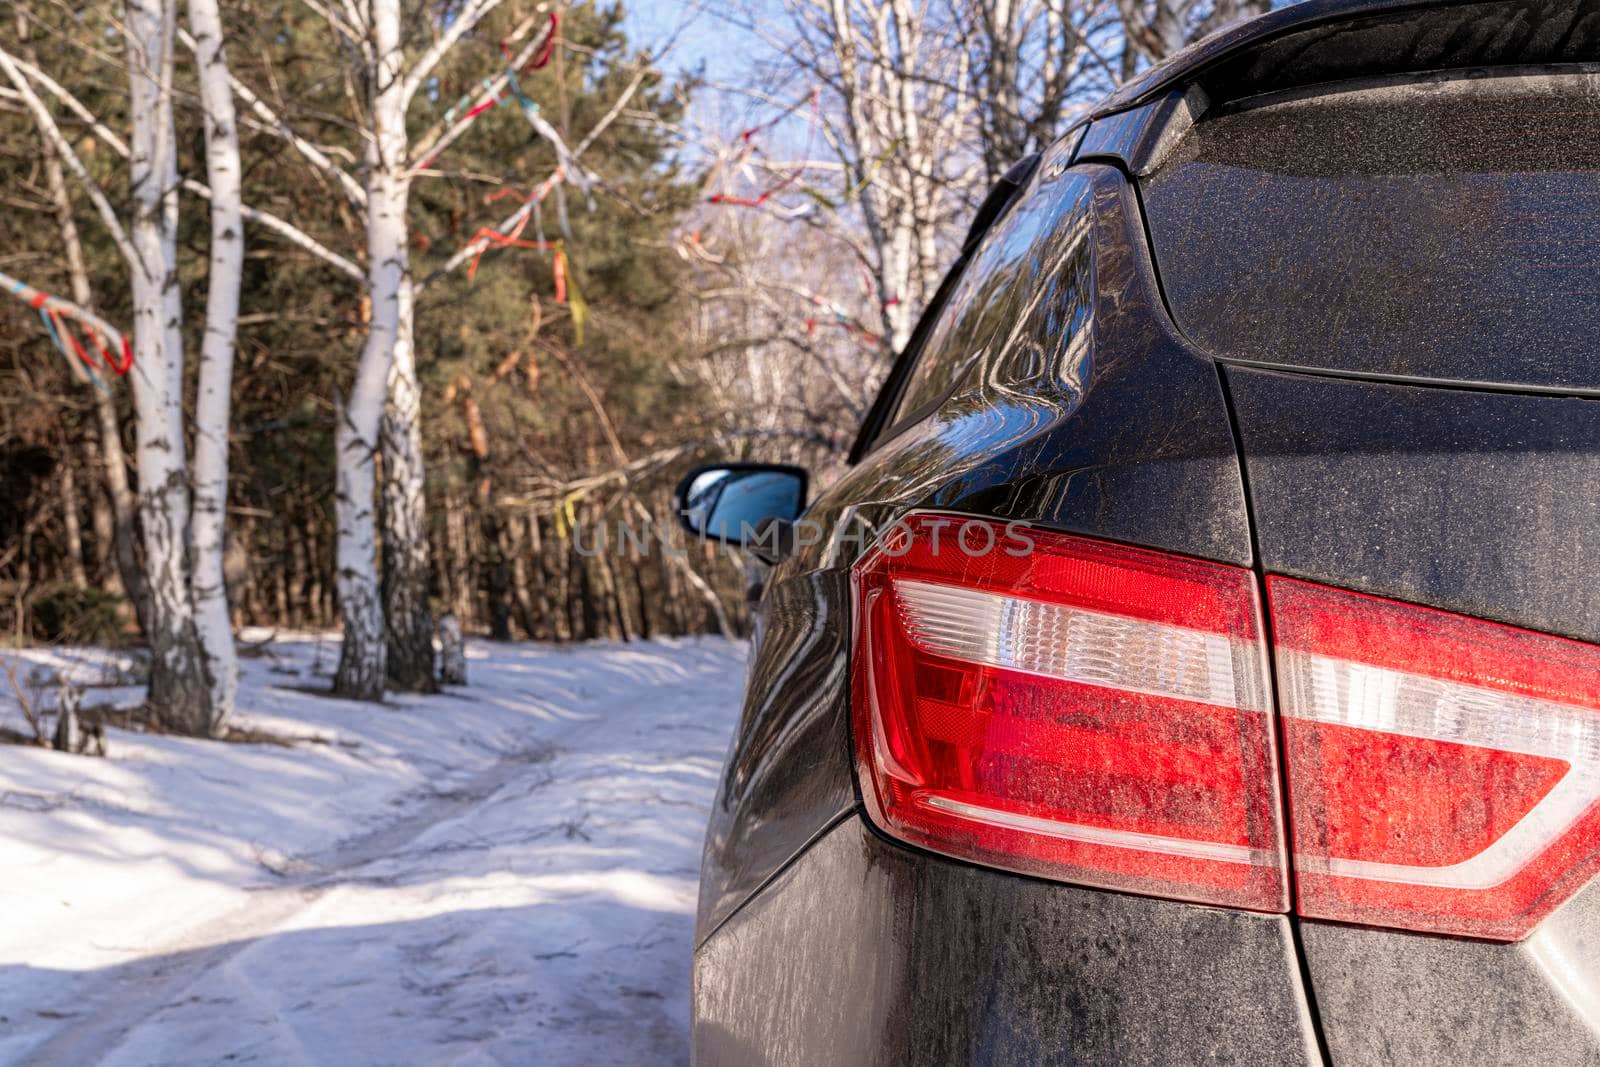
pixel 300 608
pixel 180 692
pixel 1156 33
pixel 124 507
pixel 405 518
pixel 213 401
pixel 453 650
pixel 515 550
pixel 671 583
pixel 550 628
pixel 362 649
pixel 707 594
pixel 249 604
pixel 439 558
pixel 613 611
pixel 673 592
pixel 280 589
pixel 588 627
pixel 499 573
pixel 563 605
pixel 313 587
pixel 103 527
pixel 70 523
pixel 363 652
pixel 459 563
pixel 646 630
pixel 879 74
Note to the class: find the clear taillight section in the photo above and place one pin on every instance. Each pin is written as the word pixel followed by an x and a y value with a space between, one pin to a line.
pixel 1443 771
pixel 1068 708
pixel 1100 714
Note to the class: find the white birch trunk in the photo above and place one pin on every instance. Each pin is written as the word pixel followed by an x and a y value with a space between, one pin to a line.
pixel 207 530
pixel 900 138
pixel 405 521
pixel 453 650
pixel 179 692
pixel 362 657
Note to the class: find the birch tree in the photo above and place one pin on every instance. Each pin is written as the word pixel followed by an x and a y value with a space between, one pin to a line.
pixel 407 615
pixel 388 631
pixel 1034 63
pixel 363 654
pixel 385 615
pixel 619 392
pixel 898 110
pixel 213 400
pixel 388 627
pixel 180 689
pixel 925 103
pixel 193 672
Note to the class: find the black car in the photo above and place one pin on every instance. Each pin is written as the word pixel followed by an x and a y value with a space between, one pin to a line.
pixel 1200 661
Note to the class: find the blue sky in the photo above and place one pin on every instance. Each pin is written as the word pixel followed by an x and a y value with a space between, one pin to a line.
pixel 705 38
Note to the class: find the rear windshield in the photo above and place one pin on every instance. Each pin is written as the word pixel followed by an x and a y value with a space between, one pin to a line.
pixel 1446 228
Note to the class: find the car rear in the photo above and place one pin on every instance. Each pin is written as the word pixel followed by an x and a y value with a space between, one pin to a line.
pixel 1282 739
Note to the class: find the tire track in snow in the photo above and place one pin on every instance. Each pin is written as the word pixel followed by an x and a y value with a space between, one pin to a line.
pixel 139 989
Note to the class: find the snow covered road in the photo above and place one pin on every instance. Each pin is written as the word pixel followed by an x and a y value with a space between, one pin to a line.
pixel 503 874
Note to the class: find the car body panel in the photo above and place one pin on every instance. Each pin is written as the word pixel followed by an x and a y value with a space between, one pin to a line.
pixel 1132 447
pixel 1138 138
pixel 788 776
pixel 1128 440
pixel 1384 996
pixel 1482 503
pixel 865 952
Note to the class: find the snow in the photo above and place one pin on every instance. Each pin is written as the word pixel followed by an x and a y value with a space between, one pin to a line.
pixel 500 874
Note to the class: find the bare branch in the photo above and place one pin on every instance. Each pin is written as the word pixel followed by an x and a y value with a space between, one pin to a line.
pixel 462 24
pixel 289 232
pixel 316 156
pixel 74 105
pixel 611 114
pixel 265 219
pixel 449 129
pixel 47 302
pixel 52 134
pixel 516 218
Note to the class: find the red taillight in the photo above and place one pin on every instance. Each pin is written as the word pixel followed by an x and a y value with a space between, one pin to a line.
pixel 1068 708
pixel 1100 714
pixel 1443 771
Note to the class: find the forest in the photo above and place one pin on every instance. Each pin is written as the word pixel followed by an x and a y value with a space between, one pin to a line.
pixel 352 315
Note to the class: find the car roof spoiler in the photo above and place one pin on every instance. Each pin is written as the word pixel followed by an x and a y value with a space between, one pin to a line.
pixel 1331 41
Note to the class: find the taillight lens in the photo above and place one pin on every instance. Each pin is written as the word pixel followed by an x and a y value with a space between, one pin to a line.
pixel 1068 708
pixel 1443 771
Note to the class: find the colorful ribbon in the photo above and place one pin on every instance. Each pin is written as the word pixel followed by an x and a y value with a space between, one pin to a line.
pixel 489 103
pixel 748 139
pixel 67 325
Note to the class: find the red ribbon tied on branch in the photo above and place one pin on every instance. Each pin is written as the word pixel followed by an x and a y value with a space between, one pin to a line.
pixel 747 139
pixel 69 325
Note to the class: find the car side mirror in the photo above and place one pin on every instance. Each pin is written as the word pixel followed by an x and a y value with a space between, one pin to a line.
pixel 752 505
